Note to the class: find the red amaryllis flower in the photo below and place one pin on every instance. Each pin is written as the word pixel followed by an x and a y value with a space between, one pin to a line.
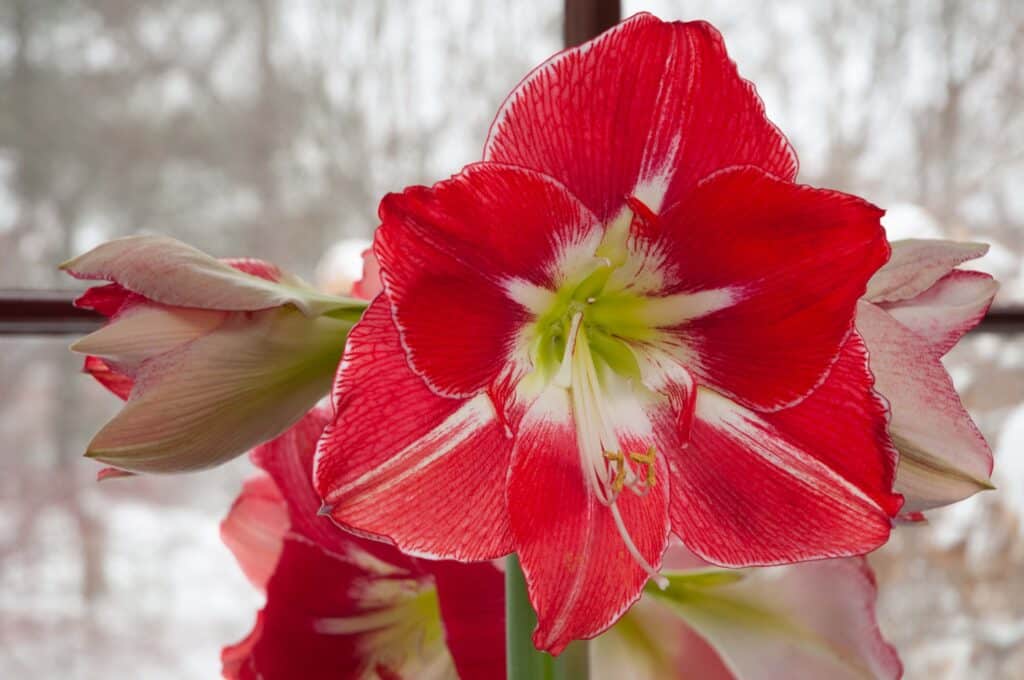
pixel 341 607
pixel 627 322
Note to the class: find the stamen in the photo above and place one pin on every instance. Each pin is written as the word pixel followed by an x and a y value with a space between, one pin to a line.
pixel 631 547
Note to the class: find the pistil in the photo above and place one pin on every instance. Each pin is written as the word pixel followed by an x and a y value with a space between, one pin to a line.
pixel 606 467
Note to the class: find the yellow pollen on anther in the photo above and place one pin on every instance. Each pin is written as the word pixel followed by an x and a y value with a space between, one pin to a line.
pixel 648 460
pixel 619 481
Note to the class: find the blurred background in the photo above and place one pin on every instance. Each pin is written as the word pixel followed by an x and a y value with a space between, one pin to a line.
pixel 271 128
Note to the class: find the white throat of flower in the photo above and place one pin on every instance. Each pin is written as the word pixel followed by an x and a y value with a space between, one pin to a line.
pixel 606 466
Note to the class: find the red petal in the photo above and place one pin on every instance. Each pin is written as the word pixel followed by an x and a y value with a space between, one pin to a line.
pixel 112 473
pixel 307 586
pixel 809 482
pixel 794 261
pixel 449 252
pixel 288 459
pixel 401 462
pixel 649 108
pixel 116 382
pixel 579 574
pixel 107 299
pixel 255 527
pixel 472 598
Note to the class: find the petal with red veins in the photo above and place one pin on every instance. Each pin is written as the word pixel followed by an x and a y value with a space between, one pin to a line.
pixel 778 269
pixel 255 527
pixel 915 266
pixel 472 600
pixel 805 483
pixel 946 311
pixel 683 113
pixel 115 381
pixel 288 459
pixel 168 271
pixel 798 622
pixel 943 456
pixel 580 574
pixel 450 253
pixel 398 461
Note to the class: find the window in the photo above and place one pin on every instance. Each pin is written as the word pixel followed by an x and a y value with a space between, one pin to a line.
pixel 270 128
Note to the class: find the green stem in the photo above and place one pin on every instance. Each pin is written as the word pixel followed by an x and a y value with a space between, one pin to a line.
pixel 525 662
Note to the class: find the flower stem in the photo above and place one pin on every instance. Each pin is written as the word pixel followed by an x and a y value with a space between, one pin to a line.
pixel 525 662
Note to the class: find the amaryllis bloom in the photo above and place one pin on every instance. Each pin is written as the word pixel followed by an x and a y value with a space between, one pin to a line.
pixel 795 622
pixel 916 309
pixel 627 323
pixel 213 357
pixel 340 607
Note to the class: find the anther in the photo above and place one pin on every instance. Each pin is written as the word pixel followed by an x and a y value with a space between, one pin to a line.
pixel 619 461
pixel 648 460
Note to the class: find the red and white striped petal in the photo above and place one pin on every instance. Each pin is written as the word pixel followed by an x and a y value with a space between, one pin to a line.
pixel 946 311
pixel 648 109
pixel 398 461
pixel 255 527
pixel 170 272
pixel 943 456
pixel 780 267
pixel 915 266
pixel 450 253
pixel 798 622
pixel 580 572
pixel 800 484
